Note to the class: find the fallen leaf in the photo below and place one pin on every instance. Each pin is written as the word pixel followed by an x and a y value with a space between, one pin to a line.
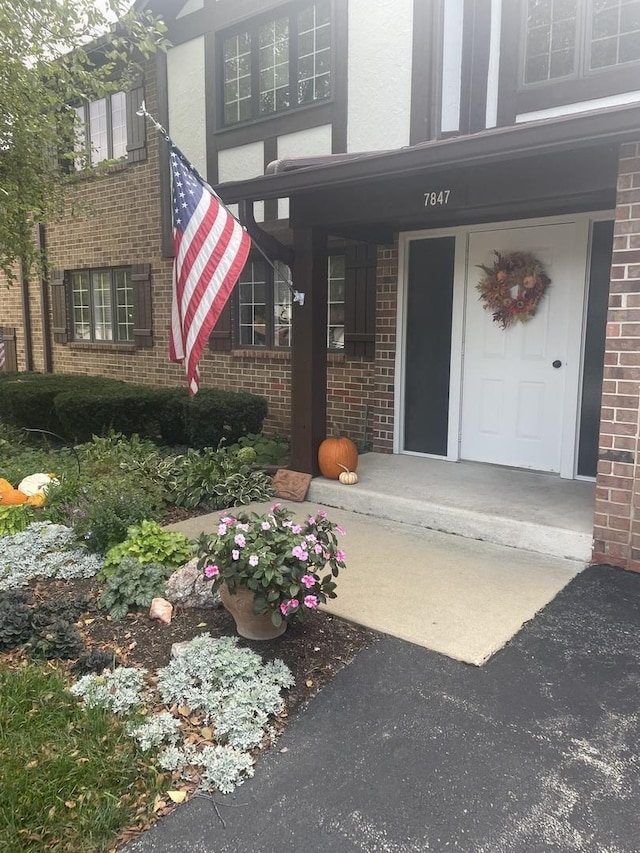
pixel 207 733
pixel 158 803
pixel 89 621
pixel 70 804
pixel 285 749
pixel 201 625
pixel 184 710
pixel 31 764
pixel 309 683
pixel 178 796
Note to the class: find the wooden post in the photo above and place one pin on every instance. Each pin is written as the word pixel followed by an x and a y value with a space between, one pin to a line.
pixel 309 349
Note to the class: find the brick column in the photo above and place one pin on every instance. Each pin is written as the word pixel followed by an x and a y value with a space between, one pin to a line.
pixel 617 510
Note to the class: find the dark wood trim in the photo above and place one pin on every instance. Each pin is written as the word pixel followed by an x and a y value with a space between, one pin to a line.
pixel 164 170
pixel 338 115
pixel 309 350
pixel 270 154
pixel 279 124
pixel 426 69
pixel 210 95
pixel 476 38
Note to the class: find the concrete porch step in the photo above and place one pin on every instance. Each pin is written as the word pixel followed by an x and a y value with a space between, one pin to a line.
pixel 519 509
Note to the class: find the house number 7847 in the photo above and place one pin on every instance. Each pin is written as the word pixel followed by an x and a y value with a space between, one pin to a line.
pixel 435 199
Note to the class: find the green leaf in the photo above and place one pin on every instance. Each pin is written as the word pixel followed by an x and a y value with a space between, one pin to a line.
pixel 276 618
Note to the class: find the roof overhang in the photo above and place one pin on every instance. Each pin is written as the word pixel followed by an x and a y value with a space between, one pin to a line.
pixel 500 145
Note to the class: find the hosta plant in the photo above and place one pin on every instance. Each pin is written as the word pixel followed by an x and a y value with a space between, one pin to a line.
pixel 132 586
pixel 147 542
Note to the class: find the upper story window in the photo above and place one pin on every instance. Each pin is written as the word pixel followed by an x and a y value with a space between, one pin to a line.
pixel 102 305
pixel 102 129
pixel 568 38
pixel 277 63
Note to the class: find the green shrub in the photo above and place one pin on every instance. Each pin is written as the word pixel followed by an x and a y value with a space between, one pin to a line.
pixel 122 408
pixel 109 506
pixel 147 542
pixel 114 452
pixel 132 586
pixel 209 417
pixel 29 400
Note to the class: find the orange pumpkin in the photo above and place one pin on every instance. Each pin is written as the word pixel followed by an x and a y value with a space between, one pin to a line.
pixel 5 486
pixel 12 496
pixel 336 454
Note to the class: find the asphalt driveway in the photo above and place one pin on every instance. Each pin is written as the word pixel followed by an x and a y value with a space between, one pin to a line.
pixel 410 751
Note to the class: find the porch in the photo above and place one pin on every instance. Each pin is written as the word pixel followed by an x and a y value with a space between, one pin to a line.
pixel 505 506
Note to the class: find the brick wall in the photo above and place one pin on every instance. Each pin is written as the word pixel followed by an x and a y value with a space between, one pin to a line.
pixel 617 511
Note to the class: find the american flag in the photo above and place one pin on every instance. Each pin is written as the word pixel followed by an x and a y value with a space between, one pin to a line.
pixel 210 250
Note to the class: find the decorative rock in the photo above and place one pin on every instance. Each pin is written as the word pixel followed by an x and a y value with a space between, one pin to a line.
pixel 178 649
pixel 161 609
pixel 190 588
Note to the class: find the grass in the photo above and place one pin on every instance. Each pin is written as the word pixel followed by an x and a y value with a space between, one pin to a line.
pixel 73 791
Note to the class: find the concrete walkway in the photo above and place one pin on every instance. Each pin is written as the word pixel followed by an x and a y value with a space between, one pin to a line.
pixel 410 751
pixel 454 595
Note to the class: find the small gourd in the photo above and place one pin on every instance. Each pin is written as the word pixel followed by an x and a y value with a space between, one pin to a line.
pixel 5 486
pixel 36 499
pixel 347 477
pixel 12 496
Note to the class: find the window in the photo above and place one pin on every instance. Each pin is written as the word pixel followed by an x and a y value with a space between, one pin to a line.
pixel 102 129
pixel 277 64
pixel 102 305
pixel 264 305
pixel 567 38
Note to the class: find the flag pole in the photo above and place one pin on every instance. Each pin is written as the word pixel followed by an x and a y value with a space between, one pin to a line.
pixel 142 111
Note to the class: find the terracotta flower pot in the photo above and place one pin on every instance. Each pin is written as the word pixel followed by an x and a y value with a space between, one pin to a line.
pixel 248 625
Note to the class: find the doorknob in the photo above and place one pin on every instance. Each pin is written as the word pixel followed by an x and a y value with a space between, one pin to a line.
pixel 557 363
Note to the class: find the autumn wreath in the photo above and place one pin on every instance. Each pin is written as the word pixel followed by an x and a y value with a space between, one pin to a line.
pixel 513 287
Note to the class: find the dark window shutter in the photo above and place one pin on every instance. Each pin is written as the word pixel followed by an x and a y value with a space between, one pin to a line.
pixel 220 339
pixel 9 355
pixel 142 317
pixel 360 307
pixel 59 307
pixel 136 127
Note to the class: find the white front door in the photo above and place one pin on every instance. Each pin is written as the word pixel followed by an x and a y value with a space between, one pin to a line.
pixel 519 383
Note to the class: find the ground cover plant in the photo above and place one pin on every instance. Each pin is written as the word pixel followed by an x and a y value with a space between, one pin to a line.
pixel 60 630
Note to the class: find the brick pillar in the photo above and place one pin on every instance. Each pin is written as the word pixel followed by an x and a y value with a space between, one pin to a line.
pixel 386 319
pixel 617 512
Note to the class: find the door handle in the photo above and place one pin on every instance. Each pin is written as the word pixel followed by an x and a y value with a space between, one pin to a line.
pixel 557 363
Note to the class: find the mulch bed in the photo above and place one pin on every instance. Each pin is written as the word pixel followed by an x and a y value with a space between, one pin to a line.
pixel 314 649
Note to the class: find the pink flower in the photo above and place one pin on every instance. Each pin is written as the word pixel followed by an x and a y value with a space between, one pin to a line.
pixel 311 538
pixel 340 556
pixel 293 604
pixel 235 555
pixel 222 529
pixel 308 581
pixel 240 540
pixel 275 506
pixel 284 607
pixel 322 513
pixel 311 602
pixel 340 530
pixel 311 520
pixel 244 527
pixel 211 571
pixel 317 548
pixel 227 519
pixel 296 529
pixel 253 560
pixel 300 553
pixel 265 525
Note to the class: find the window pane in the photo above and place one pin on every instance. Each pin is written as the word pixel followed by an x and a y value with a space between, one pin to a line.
pixel 98 131
pixel 124 302
pixel 281 306
pixel 335 319
pixel 119 124
pixel 551 35
pixel 252 303
pixel 314 55
pixel 274 65
pixel 80 303
pixel 615 32
pixel 237 78
pixel 101 291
